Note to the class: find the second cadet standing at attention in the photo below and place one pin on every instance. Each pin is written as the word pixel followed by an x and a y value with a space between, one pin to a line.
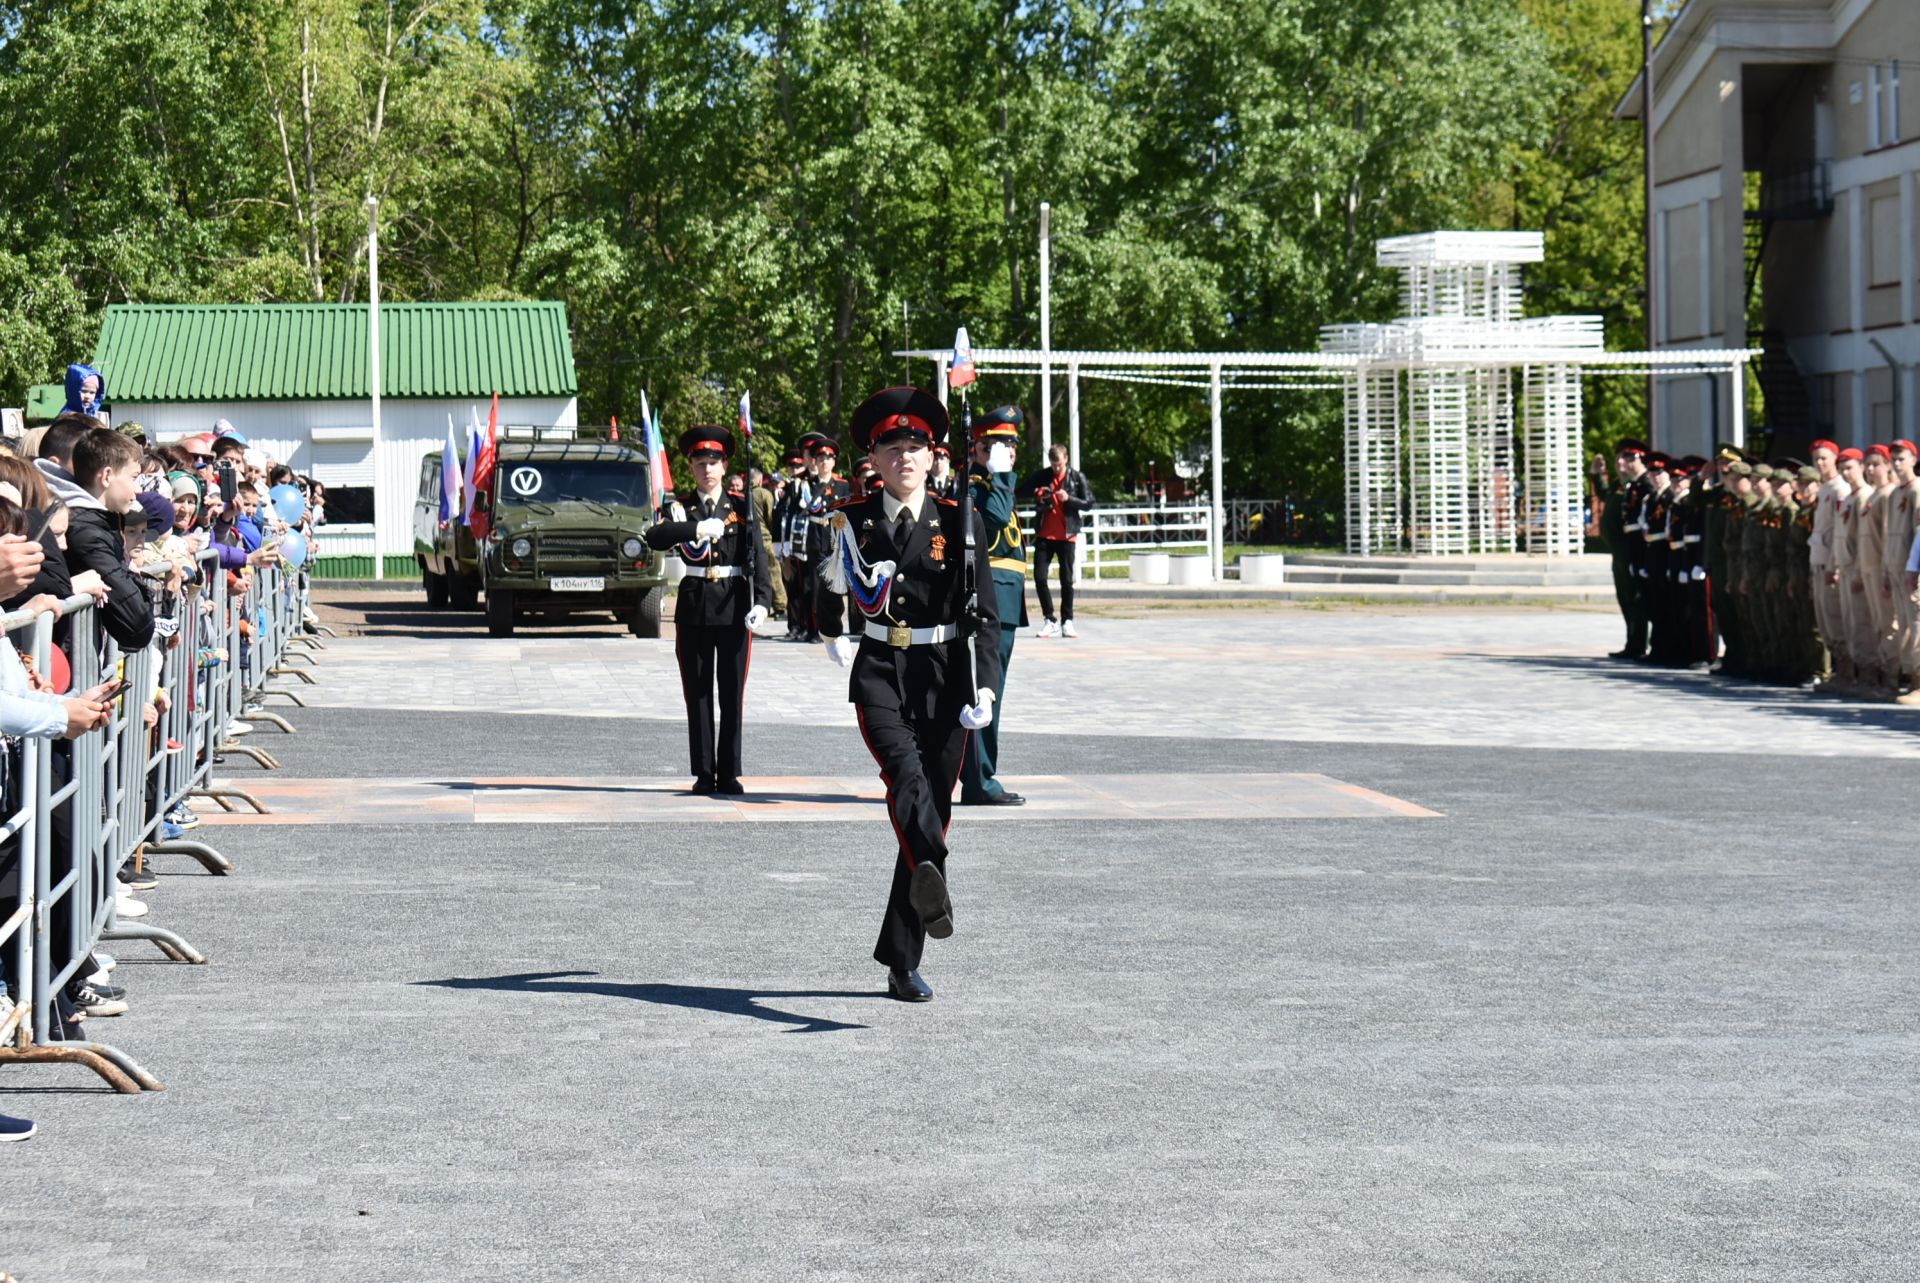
pixel 724 595
pixel 996 439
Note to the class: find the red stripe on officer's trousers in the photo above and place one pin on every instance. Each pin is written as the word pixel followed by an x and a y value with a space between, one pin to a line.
pixel 899 834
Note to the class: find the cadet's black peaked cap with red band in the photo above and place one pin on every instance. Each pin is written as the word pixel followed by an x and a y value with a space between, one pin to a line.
pixel 1006 421
pixel 812 442
pixel 708 438
pixel 899 414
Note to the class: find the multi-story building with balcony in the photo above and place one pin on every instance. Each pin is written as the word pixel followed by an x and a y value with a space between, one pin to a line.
pixel 1786 168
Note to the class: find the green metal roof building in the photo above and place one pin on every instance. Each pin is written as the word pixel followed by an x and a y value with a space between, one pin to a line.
pixel 293 378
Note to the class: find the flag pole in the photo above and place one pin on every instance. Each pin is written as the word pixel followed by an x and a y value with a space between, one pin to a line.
pixel 373 372
pixel 753 509
pixel 960 439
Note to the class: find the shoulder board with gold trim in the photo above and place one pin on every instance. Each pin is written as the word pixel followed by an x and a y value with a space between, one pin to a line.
pixel 946 503
pixel 854 502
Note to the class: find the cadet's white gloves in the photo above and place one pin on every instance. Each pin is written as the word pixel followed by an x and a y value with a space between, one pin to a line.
pixel 1699 573
pixel 841 650
pixel 756 617
pixel 1000 457
pixel 980 715
pixel 710 528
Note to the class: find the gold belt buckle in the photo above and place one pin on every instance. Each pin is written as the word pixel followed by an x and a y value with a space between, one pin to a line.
pixel 899 636
pixel 715 572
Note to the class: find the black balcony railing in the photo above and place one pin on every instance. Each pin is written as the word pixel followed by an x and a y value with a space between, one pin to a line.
pixel 1805 192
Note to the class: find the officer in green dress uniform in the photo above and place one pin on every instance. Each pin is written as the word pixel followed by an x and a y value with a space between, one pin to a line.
pixel 996 438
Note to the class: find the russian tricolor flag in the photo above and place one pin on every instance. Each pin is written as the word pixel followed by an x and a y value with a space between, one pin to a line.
pixel 960 372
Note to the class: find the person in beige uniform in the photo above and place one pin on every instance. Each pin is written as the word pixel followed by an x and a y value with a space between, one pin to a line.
pixel 1874 624
pixel 1825 585
pixel 1846 567
pixel 1903 518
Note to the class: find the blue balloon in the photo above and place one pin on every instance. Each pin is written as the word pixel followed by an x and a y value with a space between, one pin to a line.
pixel 293 548
pixel 288 503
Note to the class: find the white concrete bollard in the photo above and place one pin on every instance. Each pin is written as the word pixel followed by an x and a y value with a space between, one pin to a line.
pixel 1189 571
pixel 1148 567
pixel 1268 568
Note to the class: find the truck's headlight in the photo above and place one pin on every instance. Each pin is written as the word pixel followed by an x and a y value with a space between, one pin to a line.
pixel 631 549
pixel 521 547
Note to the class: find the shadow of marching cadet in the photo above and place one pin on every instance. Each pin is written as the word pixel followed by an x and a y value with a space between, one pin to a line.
pixel 727 1002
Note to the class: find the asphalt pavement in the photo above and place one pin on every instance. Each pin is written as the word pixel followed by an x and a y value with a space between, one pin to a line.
pixel 1636 1003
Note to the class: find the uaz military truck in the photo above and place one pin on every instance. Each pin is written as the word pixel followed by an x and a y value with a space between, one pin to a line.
pixel 567 507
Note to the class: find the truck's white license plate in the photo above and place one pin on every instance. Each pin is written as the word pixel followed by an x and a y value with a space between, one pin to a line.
pixel 578 585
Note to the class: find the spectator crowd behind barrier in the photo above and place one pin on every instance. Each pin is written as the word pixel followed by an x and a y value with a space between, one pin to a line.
pixel 118 699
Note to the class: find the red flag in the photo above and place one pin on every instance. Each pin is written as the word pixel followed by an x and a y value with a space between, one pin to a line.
pixel 483 469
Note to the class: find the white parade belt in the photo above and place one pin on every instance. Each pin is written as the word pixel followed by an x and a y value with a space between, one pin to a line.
pixel 899 636
pixel 714 572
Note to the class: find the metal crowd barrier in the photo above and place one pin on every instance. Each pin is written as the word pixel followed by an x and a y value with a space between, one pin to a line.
pixel 123 779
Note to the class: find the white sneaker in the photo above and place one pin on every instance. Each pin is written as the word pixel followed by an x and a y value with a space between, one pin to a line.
pixel 238 728
pixel 1048 629
pixel 125 906
pixel 106 960
pixel 95 1004
pixel 254 706
pixel 1066 629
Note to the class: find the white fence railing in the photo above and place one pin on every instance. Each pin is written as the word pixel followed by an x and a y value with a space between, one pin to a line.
pixel 1109 537
pixel 74 815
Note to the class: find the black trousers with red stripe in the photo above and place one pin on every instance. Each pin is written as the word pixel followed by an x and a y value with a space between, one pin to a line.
pixel 710 655
pixel 919 761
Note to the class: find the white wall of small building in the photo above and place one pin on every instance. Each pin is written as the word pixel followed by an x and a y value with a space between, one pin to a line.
pixel 333 442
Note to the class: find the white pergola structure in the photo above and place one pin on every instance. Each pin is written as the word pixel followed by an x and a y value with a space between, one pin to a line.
pixel 1443 396
pixel 1431 400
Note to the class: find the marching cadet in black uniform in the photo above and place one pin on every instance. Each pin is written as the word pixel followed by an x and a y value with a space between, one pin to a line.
pixel 724 596
pixel 923 593
pixel 828 492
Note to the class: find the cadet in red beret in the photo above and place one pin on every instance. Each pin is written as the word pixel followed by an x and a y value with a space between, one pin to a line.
pixel 1903 521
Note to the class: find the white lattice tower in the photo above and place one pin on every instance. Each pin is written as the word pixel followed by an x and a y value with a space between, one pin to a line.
pixel 1556 518
pixel 1462 341
pixel 1375 521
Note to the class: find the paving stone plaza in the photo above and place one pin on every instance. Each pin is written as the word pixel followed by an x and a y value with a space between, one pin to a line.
pixel 1335 943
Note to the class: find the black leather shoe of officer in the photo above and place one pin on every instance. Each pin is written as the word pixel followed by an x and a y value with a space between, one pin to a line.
pixel 1625 654
pixel 927 893
pixel 907 986
pixel 702 785
pixel 732 788
pixel 1004 797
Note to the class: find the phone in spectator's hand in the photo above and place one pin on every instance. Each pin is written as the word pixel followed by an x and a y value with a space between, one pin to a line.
pixel 229 483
